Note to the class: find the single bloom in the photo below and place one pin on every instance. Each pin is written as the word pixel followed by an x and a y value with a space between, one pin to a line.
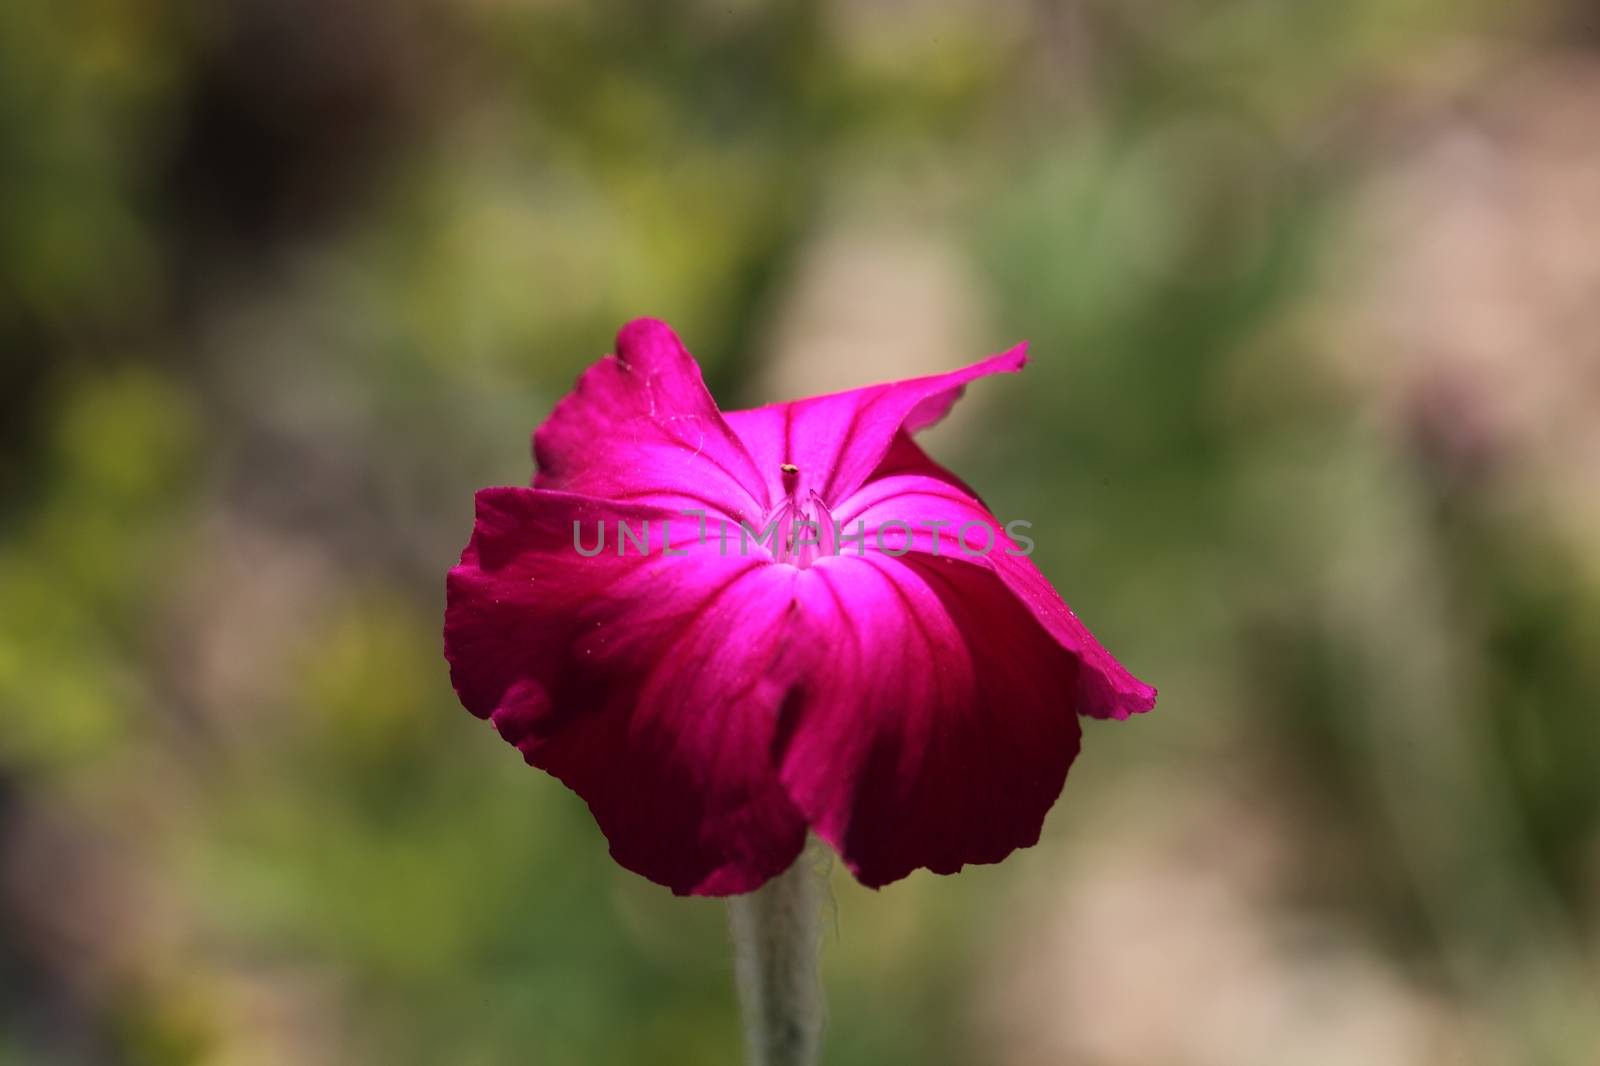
pixel 866 672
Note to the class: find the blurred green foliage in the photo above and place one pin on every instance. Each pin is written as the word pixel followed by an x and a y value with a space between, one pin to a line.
pixel 281 284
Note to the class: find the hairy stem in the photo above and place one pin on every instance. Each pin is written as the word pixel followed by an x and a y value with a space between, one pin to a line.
pixel 777 931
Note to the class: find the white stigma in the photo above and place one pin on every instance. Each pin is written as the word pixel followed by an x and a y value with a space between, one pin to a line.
pixel 805 532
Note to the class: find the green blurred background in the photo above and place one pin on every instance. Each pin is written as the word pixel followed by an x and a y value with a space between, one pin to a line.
pixel 1310 439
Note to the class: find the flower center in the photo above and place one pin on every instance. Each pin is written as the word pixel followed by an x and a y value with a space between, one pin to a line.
pixel 805 531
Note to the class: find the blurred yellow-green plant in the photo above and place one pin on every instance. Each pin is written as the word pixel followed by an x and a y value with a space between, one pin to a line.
pixel 1309 438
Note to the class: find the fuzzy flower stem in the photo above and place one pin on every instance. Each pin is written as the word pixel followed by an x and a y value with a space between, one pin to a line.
pixel 777 931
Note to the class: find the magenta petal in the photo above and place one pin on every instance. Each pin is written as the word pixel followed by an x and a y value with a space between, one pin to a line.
pixel 837 440
pixel 711 703
pixel 942 728
pixel 641 426
pixel 651 685
pixel 910 487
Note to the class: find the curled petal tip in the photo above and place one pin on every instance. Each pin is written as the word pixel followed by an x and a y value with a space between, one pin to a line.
pixel 1139 701
pixel 641 332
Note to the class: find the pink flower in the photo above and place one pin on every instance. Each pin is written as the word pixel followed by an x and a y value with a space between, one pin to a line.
pixel 712 698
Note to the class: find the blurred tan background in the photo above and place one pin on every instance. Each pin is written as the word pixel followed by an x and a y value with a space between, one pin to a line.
pixel 1310 439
